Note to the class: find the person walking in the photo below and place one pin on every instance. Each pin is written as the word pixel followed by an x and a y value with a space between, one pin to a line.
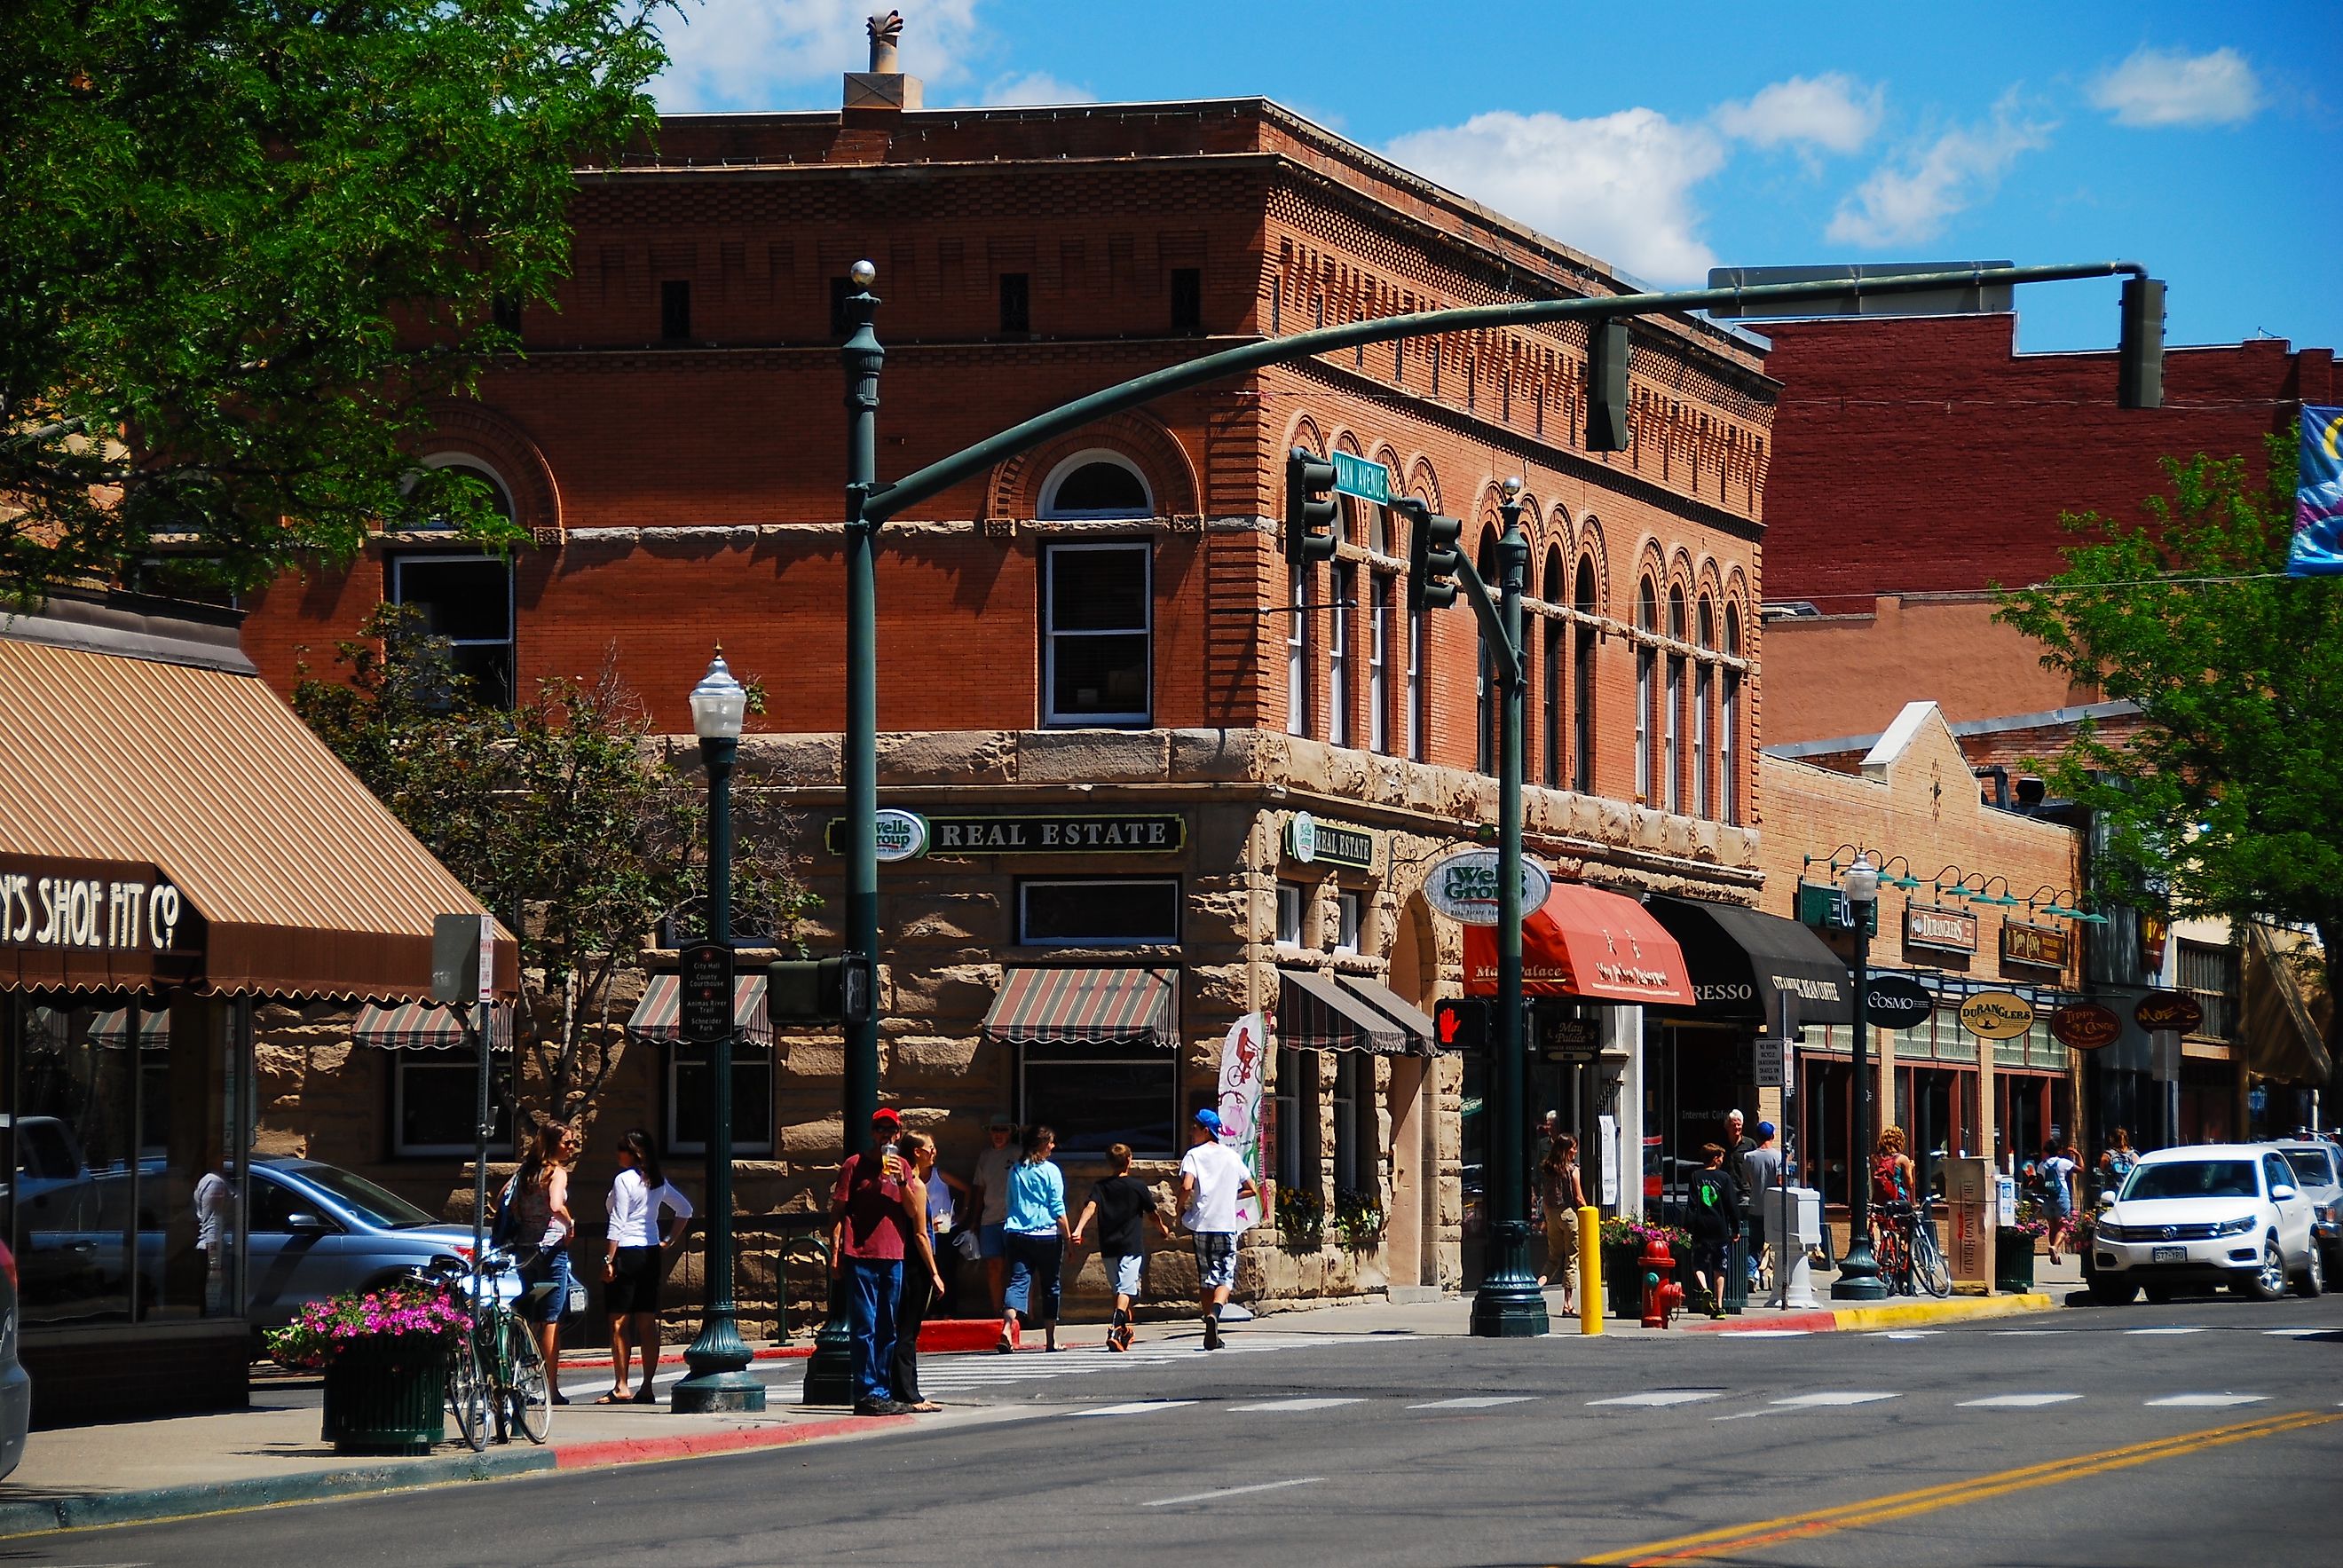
pixel 1760 1171
pixel 871 1228
pixel 1715 1221
pixel 541 1228
pixel 2117 1162
pixel 637 1251
pixel 2055 1172
pixel 989 1195
pixel 1212 1178
pixel 1034 1240
pixel 1563 1194
pixel 1122 1204
pixel 923 1278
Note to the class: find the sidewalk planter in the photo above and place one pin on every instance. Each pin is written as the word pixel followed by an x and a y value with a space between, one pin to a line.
pixel 2013 1260
pixel 387 1396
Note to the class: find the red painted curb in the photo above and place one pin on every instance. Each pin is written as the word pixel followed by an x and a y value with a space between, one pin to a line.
pixel 1811 1322
pixel 687 1445
pixel 939 1336
pixel 573 1360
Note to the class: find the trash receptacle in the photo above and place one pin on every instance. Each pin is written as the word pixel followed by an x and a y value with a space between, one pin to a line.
pixel 1736 1276
pixel 1793 1279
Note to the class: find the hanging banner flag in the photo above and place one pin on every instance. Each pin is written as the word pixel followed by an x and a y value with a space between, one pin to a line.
pixel 2319 497
pixel 1239 1102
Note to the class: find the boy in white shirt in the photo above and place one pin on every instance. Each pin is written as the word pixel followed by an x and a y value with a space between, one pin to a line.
pixel 1212 1177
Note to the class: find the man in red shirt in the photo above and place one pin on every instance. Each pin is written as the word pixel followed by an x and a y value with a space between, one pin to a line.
pixel 870 1221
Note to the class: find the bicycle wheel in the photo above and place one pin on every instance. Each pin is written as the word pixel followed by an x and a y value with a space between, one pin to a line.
pixel 532 1399
pixel 1930 1267
pixel 467 1394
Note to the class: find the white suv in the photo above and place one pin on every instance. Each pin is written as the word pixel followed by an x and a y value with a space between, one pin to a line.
pixel 2231 1213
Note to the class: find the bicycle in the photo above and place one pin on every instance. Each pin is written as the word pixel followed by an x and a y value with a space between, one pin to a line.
pixel 1910 1261
pixel 498 1372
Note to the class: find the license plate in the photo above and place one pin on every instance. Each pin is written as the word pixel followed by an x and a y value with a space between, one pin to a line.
pixel 2168 1255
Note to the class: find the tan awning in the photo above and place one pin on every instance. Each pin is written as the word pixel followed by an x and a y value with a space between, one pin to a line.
pixel 2287 1008
pixel 426 1026
pixel 303 884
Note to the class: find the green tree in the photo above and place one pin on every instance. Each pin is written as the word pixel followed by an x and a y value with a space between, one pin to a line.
pixel 2229 798
pixel 244 241
pixel 559 815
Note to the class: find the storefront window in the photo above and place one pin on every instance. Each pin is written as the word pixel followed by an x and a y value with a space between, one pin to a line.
pixel 435 1098
pixel 1096 636
pixel 1099 911
pixel 688 1082
pixel 1098 1095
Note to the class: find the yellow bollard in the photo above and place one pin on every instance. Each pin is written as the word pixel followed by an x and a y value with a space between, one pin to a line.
pixel 1590 1270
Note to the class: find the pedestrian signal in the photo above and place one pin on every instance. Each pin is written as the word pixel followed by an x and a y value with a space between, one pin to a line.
pixel 1461 1023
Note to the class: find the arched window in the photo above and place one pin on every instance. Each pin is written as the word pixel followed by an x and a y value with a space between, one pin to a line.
pixel 1485 688
pixel 1704 697
pixel 1647 617
pixel 1728 734
pixel 466 597
pixel 1672 722
pixel 1551 678
pixel 1096 484
pixel 1416 700
pixel 1582 700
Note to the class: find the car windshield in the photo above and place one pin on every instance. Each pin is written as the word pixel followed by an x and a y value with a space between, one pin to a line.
pixel 2192 1178
pixel 2311 1166
pixel 369 1202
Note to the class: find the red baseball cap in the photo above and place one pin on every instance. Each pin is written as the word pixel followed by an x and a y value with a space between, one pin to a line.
pixel 886 1114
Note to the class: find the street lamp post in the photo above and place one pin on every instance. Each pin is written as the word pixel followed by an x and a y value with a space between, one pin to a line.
pixel 719 1380
pixel 1858 1271
pixel 1509 1304
pixel 829 1373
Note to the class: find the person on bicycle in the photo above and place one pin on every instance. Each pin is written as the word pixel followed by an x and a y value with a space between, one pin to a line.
pixel 1893 1182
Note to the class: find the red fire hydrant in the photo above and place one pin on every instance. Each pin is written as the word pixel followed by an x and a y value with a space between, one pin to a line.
pixel 1663 1297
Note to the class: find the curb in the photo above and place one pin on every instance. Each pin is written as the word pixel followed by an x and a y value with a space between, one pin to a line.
pixel 84 1511
pixel 698 1444
pixel 1901 1315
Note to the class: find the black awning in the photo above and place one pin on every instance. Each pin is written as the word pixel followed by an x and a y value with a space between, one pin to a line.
pixel 1315 1013
pixel 1742 959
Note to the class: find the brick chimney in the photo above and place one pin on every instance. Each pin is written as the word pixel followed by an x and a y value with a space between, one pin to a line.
pixel 884 89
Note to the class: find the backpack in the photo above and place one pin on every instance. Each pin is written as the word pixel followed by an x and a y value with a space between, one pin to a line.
pixel 505 1230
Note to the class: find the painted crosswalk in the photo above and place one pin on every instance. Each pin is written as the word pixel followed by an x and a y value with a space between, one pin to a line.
pixel 1748 1406
pixel 1660 1398
pixel 944 1376
pixel 2205 1401
pixel 2018 1401
pixel 1477 1402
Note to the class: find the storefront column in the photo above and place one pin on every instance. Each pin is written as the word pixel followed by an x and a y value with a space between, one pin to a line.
pixel 1625 1043
pixel 1988 1102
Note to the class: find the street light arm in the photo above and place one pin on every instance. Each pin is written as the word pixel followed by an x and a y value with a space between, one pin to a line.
pixel 1492 624
pixel 885 501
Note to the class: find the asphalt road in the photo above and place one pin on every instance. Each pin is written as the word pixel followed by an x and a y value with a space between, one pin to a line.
pixel 2203 1432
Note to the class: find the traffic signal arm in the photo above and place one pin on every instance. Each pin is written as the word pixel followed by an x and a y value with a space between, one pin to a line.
pixel 1510 665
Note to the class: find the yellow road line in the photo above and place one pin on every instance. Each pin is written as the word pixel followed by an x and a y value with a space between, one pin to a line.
pixel 1898 1505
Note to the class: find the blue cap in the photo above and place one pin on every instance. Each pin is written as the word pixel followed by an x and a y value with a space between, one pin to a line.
pixel 1209 1120
pixel 1765 1131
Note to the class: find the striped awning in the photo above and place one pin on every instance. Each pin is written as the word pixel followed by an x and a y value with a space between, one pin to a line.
pixel 426 1026
pixel 1315 1014
pixel 1086 1006
pixel 655 1016
pixel 1422 1038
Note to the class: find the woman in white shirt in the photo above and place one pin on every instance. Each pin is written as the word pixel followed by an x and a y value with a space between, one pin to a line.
pixel 639 1246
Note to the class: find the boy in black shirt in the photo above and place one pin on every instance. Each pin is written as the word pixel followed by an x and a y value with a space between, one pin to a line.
pixel 1122 1205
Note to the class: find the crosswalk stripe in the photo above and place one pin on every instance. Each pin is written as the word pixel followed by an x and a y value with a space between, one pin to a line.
pixel 1661 1397
pixel 1293 1404
pixel 2018 1401
pixel 2207 1400
pixel 1833 1398
pixel 2164 1331
pixel 1136 1407
pixel 1763 1334
pixel 1477 1402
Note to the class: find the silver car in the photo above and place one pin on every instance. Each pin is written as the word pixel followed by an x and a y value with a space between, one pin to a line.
pixel 317 1230
pixel 16 1388
pixel 2318 1170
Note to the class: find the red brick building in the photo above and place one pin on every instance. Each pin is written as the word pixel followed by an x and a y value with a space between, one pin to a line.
pixel 1096 626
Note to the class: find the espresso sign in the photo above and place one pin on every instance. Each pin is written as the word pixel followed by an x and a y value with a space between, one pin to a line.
pixel 1051 833
pixel 2044 946
pixel 2168 1009
pixel 1997 1014
pixel 1932 926
pixel 2085 1026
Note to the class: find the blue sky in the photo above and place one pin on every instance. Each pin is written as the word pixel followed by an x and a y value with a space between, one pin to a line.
pixel 1666 139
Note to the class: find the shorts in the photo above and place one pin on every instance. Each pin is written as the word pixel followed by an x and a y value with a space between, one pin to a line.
pixel 1216 1259
pixel 550 1266
pixel 989 1242
pixel 1562 1246
pixel 1122 1272
pixel 635 1278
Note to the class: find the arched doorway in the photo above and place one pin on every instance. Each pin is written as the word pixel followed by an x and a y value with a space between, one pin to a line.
pixel 1411 1233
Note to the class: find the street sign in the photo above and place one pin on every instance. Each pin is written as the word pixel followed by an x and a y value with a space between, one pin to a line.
pixel 1357 476
pixel 463 958
pixel 2085 1026
pixel 1771 1062
pixel 1957 299
pixel 1464 886
pixel 704 1005
pixel 1895 1001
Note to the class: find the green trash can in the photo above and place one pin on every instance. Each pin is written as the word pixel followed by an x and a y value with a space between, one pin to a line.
pixel 2013 1261
pixel 387 1396
pixel 1736 1276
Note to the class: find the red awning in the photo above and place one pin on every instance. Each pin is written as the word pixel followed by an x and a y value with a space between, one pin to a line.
pixel 1589 943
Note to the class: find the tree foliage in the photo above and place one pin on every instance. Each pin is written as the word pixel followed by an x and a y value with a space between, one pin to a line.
pixel 560 816
pixel 2230 799
pixel 244 241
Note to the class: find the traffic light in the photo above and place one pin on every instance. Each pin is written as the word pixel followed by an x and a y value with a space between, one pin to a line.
pixel 820 991
pixel 2140 355
pixel 1606 385
pixel 1433 557
pixel 1309 507
pixel 1461 1023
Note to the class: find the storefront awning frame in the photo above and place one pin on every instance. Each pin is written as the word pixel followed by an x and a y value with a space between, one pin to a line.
pixel 1088 1004
pixel 1589 943
pixel 1315 1012
pixel 1742 960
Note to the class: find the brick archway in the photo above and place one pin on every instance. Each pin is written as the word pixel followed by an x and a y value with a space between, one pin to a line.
pixel 1014 491
pixel 500 443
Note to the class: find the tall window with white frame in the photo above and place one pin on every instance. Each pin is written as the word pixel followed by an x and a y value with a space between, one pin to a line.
pixel 1484 676
pixel 1350 920
pixel 1297 651
pixel 1419 711
pixel 1097 633
pixel 1728 724
pixel 1671 749
pixel 1704 682
pixel 1342 595
pixel 1550 680
pixel 1582 674
pixel 1379 727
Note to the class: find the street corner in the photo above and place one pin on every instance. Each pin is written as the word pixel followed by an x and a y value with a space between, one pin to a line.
pixel 1872 1318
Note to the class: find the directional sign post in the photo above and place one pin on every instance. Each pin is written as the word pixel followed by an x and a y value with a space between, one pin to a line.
pixel 1357 476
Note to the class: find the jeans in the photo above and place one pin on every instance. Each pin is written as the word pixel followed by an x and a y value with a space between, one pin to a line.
pixel 919 1295
pixel 1034 1264
pixel 873 1285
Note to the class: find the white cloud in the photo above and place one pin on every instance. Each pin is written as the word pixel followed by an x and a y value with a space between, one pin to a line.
pixel 2166 87
pixel 765 53
pixel 1830 111
pixel 1618 186
pixel 1036 88
pixel 1910 199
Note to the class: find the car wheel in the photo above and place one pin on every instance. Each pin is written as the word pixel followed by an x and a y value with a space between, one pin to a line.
pixel 2114 1292
pixel 2267 1283
pixel 2311 1283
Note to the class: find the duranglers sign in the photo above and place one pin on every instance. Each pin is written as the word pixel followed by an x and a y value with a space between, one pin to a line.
pixel 1997 1014
pixel 1930 926
pixel 1464 886
pixel 1046 833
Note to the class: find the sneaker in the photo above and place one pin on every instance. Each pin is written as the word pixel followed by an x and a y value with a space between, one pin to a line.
pixel 1211 1333
pixel 880 1407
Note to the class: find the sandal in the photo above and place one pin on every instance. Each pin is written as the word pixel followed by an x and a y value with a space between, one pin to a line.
pixel 615 1396
pixel 927 1407
pixel 1004 1347
pixel 647 1395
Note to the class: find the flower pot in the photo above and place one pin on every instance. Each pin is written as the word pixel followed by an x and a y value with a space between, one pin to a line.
pixel 387 1396
pixel 1623 1280
pixel 2013 1261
